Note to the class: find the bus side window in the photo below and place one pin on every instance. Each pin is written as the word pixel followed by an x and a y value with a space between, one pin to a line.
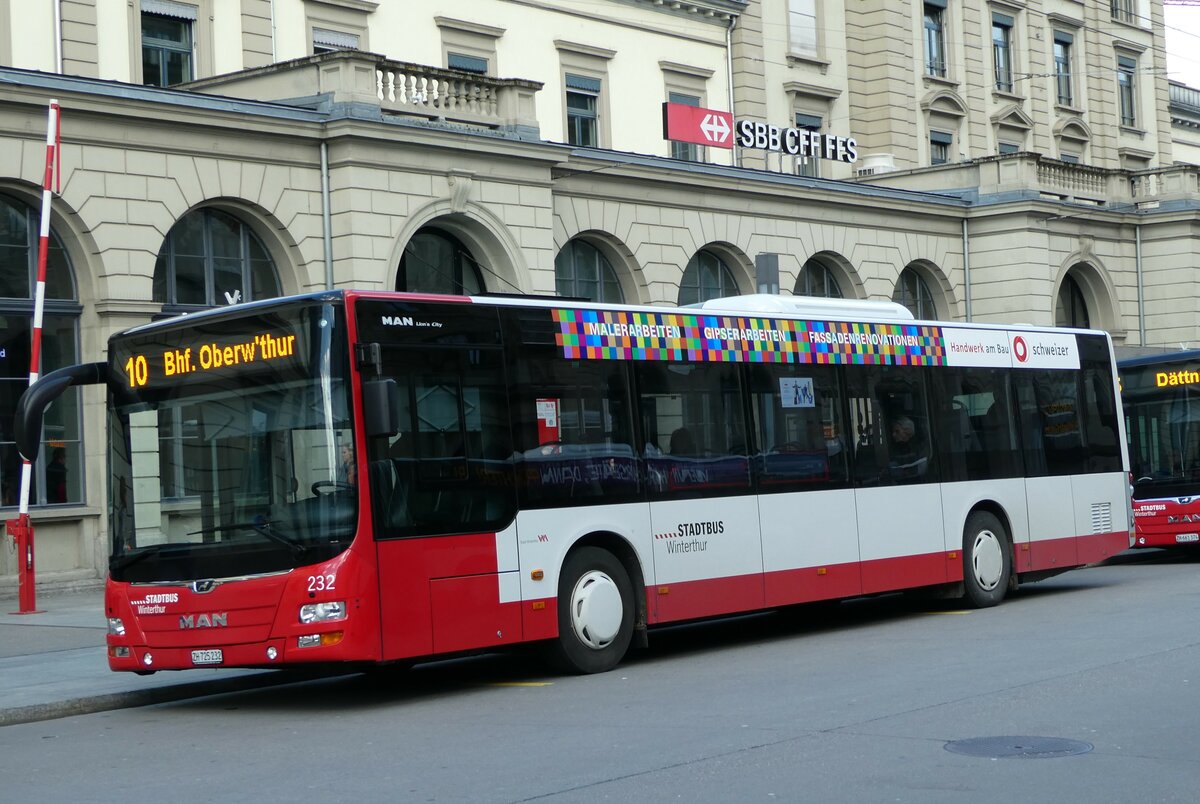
pixel 573 430
pixel 890 406
pixel 799 425
pixel 706 400
pixel 435 476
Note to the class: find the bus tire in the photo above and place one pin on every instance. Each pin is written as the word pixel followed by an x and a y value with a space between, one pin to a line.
pixel 595 612
pixel 987 560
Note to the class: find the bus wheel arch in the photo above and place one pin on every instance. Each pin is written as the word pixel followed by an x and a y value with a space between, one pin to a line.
pixel 599 607
pixel 987 557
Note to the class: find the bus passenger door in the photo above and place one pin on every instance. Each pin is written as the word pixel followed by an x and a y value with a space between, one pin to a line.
pixel 806 501
pixel 897 497
pixel 442 500
pixel 1047 410
pixel 707 544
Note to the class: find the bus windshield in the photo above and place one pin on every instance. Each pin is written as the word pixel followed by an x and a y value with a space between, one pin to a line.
pixel 231 446
pixel 1162 406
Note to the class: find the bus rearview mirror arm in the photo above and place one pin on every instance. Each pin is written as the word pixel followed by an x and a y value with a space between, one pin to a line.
pixel 27 423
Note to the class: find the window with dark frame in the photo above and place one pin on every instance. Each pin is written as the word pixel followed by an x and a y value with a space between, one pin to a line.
pixel 816 279
pixel 705 277
pixel 583 111
pixel 582 271
pixel 1002 51
pixel 167 49
pixel 935 38
pixel 1062 68
pixel 1126 68
pixel 58 472
pixel 913 292
pixel 436 261
pixel 939 147
pixel 1071 308
pixel 210 258
pixel 1124 10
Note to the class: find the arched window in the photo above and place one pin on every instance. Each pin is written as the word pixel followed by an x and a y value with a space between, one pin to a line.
pixel 580 270
pixel 58 474
pixel 1071 310
pixel 705 277
pixel 912 292
pixel 817 280
pixel 435 261
pixel 210 258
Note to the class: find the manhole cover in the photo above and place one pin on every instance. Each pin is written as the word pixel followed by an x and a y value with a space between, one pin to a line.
pixel 1018 747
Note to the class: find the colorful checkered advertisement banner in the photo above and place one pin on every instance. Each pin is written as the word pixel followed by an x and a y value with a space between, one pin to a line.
pixel 624 335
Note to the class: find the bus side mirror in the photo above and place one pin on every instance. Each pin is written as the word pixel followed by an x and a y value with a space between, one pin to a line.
pixel 381 407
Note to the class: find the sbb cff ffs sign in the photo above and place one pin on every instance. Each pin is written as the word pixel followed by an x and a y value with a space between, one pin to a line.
pixel 717 129
pixel 796 141
pixel 697 125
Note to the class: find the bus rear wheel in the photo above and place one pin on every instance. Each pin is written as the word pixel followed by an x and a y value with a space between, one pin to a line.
pixel 987 560
pixel 595 612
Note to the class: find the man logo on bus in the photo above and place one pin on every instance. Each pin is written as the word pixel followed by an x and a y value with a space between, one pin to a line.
pixel 1020 349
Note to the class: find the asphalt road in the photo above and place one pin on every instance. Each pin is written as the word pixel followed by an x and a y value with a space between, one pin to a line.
pixel 1092 678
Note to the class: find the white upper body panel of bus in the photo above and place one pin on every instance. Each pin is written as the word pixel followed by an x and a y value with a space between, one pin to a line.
pixel 762 304
pixel 769 304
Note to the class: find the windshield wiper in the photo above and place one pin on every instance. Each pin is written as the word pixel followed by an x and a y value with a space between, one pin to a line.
pixel 260 526
pixel 129 558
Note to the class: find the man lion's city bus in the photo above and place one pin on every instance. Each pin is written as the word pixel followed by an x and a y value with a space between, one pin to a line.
pixel 1162 418
pixel 382 477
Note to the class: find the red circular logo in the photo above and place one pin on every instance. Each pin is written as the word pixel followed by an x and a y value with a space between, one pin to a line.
pixel 1020 349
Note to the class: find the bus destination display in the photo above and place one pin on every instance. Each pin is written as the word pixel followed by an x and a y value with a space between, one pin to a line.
pixel 143 368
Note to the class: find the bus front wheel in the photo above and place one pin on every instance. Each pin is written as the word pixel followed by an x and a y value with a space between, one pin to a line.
pixel 595 612
pixel 987 560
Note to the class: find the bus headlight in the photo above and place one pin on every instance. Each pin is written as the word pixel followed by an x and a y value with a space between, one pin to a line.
pixel 323 612
pixel 116 627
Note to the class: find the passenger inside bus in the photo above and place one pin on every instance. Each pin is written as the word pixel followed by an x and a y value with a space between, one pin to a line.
pixel 682 443
pixel 908 455
pixel 349 469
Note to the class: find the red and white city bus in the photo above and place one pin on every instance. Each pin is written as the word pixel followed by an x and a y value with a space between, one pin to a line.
pixel 377 477
pixel 1161 395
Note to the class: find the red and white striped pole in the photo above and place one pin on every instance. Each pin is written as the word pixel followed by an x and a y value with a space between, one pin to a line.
pixel 22 528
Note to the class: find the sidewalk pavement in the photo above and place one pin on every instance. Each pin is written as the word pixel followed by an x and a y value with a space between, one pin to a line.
pixel 53 663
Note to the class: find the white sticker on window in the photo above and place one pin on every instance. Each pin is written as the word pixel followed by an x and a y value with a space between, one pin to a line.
pixel 797 392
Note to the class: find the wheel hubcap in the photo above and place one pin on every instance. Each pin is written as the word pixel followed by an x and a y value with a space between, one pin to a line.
pixel 596 610
pixel 987 559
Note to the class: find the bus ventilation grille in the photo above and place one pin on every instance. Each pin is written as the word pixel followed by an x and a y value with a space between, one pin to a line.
pixel 1101 517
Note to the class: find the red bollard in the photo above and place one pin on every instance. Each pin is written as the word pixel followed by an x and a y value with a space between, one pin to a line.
pixel 21 530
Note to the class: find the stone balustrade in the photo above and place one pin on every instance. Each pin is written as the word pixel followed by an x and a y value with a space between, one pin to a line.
pixel 369 81
pixel 455 96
